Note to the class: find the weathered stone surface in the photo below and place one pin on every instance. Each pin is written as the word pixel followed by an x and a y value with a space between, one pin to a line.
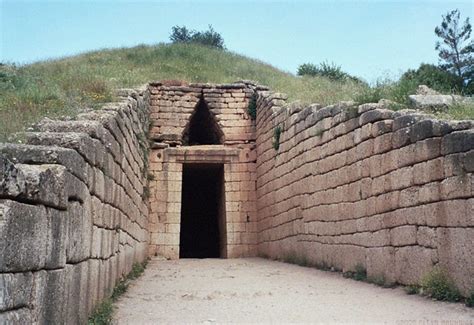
pixel 435 102
pixel 381 264
pixel 456 251
pixel 468 161
pixel 347 186
pixel 425 90
pixel 426 236
pixel 77 293
pixel 51 296
pixel 389 181
pixel 50 185
pixel 167 137
pixel 413 262
pixel 80 142
pixel 15 290
pixel 27 154
pixel 403 236
pixel 18 316
pixel 458 142
pixel 407 120
pixel 46 213
pixel 36 183
pixel 428 128
pixel 375 115
pixel 79 231
pixel 43 247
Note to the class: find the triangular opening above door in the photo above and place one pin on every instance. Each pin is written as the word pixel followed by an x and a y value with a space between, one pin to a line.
pixel 202 127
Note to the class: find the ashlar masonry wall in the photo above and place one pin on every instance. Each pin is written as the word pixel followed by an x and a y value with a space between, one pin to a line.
pixel 73 215
pixel 172 109
pixel 343 186
pixel 364 185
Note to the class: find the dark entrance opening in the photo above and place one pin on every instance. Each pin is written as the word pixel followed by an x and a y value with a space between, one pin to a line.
pixel 202 232
pixel 202 127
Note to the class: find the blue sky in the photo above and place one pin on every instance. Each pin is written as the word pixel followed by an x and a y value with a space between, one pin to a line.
pixel 370 38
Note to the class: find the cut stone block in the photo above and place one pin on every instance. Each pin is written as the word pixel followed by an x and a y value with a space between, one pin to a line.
pixel 28 154
pixel 412 263
pixel 50 185
pixel 36 237
pixel 456 251
pixel 15 290
pixel 51 296
pixel 17 317
pixel 79 241
pixel 381 264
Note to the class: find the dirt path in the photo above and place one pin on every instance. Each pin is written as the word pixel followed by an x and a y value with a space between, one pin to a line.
pixel 261 291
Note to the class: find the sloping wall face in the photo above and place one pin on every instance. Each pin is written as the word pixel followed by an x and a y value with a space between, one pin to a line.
pixel 389 191
pixel 73 218
pixel 172 109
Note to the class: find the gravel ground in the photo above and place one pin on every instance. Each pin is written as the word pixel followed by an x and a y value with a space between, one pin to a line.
pixel 255 290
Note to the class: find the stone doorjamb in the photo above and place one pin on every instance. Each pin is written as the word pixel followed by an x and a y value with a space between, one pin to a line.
pixel 173 160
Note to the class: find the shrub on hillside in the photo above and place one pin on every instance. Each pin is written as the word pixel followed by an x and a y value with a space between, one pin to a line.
pixel 469 88
pixel 307 69
pixel 8 76
pixel 395 91
pixel 326 69
pixel 369 95
pixel 180 34
pixel 435 78
pixel 211 38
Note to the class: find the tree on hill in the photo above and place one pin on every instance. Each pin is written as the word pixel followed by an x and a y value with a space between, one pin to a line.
pixel 326 69
pixel 434 77
pixel 180 34
pixel 211 38
pixel 456 50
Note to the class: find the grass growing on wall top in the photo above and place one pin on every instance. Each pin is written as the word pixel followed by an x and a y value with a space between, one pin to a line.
pixel 62 87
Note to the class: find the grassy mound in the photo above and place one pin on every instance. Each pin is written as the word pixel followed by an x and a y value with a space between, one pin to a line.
pixel 62 87
pixel 66 86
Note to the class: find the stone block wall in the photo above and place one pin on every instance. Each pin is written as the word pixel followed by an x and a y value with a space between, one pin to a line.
pixel 172 108
pixel 344 186
pixel 364 185
pixel 73 212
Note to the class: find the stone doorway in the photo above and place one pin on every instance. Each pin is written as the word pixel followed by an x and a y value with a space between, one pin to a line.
pixel 203 225
pixel 194 127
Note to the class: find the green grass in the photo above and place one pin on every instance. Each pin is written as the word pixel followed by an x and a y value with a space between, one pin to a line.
pixel 438 285
pixel 276 137
pixel 295 258
pixel 412 289
pixel 398 93
pixel 458 112
pixel 65 86
pixel 102 315
pixel 252 108
pixel 470 300
pixel 137 271
pixel 359 273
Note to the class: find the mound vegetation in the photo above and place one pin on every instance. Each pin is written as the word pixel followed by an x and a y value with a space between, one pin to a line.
pixel 181 34
pixel 328 70
pixel 64 87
